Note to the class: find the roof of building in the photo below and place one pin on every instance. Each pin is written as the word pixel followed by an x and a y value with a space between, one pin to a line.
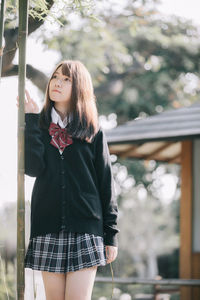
pixel 158 136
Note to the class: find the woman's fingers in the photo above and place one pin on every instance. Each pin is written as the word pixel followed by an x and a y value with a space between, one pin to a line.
pixel 17 101
pixel 108 255
pixel 29 103
pixel 28 95
pixel 111 253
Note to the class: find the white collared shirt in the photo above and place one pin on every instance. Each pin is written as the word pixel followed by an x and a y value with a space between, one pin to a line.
pixel 55 117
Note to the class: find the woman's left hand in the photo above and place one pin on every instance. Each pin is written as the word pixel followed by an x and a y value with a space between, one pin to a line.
pixel 111 253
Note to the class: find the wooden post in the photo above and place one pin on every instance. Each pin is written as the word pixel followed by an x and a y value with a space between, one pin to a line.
pixel 22 36
pixel 186 218
pixel 196 218
pixel 196 275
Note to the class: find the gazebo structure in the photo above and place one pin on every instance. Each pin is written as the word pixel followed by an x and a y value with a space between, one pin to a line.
pixel 172 136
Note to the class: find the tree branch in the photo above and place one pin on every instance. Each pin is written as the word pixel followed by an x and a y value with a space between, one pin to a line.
pixel 11 36
pixel 37 77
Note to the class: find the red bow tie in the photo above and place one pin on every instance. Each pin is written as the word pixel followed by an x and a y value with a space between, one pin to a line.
pixel 60 137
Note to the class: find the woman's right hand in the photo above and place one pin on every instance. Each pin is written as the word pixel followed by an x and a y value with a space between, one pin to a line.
pixel 30 106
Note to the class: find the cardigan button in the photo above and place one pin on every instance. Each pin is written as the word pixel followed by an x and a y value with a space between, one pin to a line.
pixel 62 157
pixel 62 172
pixel 63 186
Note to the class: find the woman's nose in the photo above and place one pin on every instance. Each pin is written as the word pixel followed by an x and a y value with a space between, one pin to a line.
pixel 58 82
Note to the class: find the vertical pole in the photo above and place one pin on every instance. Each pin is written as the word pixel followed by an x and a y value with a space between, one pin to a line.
pixel 185 270
pixel 1 33
pixel 22 36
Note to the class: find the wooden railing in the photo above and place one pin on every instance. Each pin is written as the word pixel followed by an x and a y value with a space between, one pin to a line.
pixel 172 286
pixel 133 280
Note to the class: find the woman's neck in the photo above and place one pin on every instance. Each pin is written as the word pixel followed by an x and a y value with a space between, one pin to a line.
pixel 61 110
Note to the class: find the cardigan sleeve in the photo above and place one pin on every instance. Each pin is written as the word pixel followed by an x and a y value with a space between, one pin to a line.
pixel 34 147
pixel 106 189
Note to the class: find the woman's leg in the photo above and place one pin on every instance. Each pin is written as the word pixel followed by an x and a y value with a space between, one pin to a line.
pixel 54 284
pixel 79 284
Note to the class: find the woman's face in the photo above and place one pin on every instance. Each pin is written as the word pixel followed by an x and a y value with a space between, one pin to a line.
pixel 60 87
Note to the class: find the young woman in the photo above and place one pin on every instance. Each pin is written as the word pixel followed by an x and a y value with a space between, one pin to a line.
pixel 73 204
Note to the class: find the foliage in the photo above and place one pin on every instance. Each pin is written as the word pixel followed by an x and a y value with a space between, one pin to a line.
pixel 140 63
pixel 40 9
pixel 103 291
pixel 7 282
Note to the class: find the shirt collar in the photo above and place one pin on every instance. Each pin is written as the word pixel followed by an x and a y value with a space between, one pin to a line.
pixel 55 117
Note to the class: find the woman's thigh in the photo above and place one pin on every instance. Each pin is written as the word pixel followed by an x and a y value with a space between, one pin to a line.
pixel 79 284
pixel 54 284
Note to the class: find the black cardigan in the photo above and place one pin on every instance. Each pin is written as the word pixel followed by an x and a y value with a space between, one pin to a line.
pixel 81 177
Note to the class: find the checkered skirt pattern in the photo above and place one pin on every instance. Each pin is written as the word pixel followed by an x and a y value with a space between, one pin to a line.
pixel 65 252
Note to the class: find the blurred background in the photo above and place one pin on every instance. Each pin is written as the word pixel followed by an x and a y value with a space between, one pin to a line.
pixel 143 57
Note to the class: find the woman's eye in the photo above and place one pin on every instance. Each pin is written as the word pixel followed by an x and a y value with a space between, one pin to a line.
pixel 54 76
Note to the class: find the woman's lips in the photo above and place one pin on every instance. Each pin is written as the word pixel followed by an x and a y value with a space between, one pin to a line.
pixel 56 91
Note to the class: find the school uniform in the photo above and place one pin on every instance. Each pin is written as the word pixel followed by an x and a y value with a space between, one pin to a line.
pixel 73 204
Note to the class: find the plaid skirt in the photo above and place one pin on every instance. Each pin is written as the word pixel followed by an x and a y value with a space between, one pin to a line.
pixel 65 252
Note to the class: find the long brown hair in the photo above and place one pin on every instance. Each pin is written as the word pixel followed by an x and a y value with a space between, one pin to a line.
pixel 84 123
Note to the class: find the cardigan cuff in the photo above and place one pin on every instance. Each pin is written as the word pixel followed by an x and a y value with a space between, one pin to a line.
pixel 111 240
